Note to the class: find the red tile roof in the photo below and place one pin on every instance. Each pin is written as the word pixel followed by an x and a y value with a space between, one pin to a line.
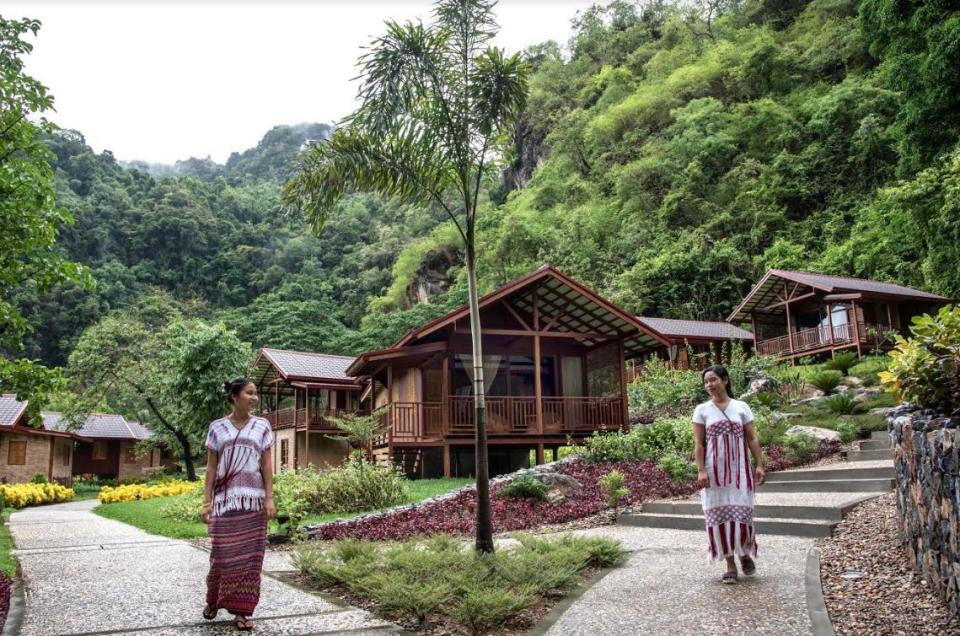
pixel 675 328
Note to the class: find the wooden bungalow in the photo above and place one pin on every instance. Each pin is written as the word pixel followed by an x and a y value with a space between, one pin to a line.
pixel 26 451
pixel 109 446
pixel 796 314
pixel 299 393
pixel 553 365
pixel 692 336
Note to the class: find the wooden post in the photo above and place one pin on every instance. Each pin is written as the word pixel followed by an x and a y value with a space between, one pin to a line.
pixel 539 453
pixel 793 360
pixel 390 414
pixel 856 327
pixel 537 389
pixel 446 460
pixel 830 322
pixel 756 336
pixel 445 395
pixel 307 406
pixel 623 385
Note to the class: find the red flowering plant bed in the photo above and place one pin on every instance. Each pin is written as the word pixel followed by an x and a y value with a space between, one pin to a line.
pixel 456 515
pixel 5 586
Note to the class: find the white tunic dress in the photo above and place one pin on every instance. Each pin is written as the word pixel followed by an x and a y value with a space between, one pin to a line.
pixel 729 498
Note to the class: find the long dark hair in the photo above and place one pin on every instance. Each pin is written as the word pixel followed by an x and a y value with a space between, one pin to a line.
pixel 722 373
pixel 232 388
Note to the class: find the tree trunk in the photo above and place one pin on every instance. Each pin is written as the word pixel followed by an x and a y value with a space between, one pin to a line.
pixel 187 457
pixel 484 538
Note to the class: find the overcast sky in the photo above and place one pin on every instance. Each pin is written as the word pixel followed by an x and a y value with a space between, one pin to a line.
pixel 162 81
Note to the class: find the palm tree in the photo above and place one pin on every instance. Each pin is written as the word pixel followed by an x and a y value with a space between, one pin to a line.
pixel 436 102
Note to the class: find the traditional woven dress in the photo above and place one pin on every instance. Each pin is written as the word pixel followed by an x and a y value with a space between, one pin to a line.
pixel 728 501
pixel 238 522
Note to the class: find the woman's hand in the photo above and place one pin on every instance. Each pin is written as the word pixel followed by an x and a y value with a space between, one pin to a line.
pixel 205 512
pixel 702 480
pixel 270 507
pixel 759 475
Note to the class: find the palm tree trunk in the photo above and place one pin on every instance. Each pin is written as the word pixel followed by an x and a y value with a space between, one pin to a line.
pixel 484 538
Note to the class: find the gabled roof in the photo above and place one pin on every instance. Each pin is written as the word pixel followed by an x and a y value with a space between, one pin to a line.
pixel 302 366
pixel 715 330
pixel 766 291
pixel 11 410
pixel 99 425
pixel 570 305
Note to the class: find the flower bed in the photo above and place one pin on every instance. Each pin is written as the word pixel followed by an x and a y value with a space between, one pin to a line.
pixel 136 492
pixel 455 514
pixel 5 586
pixel 23 495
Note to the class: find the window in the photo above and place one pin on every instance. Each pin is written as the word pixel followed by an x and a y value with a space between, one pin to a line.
pixel 66 450
pixel 130 454
pixel 284 452
pixel 99 449
pixel 17 454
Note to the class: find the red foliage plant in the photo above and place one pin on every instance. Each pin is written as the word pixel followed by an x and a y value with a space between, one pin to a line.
pixel 456 515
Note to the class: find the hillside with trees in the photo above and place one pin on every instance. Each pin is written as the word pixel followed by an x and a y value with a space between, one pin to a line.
pixel 667 157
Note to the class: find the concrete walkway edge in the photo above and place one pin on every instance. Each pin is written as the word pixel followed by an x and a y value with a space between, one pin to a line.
pixel 551 617
pixel 819 617
pixel 11 626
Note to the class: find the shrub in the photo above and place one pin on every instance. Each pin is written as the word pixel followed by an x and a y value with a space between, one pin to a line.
pixel 651 442
pixel 769 431
pixel 137 492
pixel 484 608
pixel 843 404
pixel 766 399
pixel 23 495
pixel 678 467
pixel 356 488
pixel 790 383
pixel 614 486
pixel 291 494
pixel 925 369
pixel 841 362
pixel 39 478
pixel 825 380
pixel 848 431
pixel 663 390
pixel 869 368
pixel 801 446
pixel 525 486
pixel 185 508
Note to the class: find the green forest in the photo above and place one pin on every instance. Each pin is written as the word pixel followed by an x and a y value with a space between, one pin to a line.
pixel 668 155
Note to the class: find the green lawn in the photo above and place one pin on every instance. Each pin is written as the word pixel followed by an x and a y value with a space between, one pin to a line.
pixel 147 516
pixel 8 565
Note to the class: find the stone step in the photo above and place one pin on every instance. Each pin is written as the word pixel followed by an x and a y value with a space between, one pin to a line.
pixel 793 527
pixel 869 455
pixel 874 444
pixel 881 436
pixel 832 473
pixel 822 513
pixel 829 485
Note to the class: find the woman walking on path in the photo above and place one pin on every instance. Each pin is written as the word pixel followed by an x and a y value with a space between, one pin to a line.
pixel 237 501
pixel 724 431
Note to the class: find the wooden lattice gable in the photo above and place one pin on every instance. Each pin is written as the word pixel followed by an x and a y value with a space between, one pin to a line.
pixel 778 286
pixel 301 367
pixel 564 306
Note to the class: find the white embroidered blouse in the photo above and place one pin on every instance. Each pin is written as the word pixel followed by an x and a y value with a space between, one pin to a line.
pixel 239 484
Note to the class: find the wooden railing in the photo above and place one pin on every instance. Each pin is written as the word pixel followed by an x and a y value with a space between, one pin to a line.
pixel 411 421
pixel 820 337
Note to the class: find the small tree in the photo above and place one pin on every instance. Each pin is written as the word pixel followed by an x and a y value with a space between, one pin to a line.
pixel 361 429
pixel 614 485
pixel 436 105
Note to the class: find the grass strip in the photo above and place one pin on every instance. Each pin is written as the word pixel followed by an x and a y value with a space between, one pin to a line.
pixel 8 564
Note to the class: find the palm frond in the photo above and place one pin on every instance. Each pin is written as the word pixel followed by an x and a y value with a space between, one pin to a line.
pixel 498 89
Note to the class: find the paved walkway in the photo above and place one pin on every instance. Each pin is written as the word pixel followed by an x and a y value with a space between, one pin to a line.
pixel 667 587
pixel 88 575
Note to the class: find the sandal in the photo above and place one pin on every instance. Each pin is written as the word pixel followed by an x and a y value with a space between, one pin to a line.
pixel 210 613
pixel 749 567
pixel 729 577
pixel 243 623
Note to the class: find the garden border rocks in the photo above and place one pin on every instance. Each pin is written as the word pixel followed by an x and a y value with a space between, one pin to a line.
pixel 926 447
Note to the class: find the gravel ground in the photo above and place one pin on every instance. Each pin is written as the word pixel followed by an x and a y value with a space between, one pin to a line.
pixel 889 598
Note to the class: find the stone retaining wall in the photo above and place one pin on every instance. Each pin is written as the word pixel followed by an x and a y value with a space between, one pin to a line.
pixel 928 495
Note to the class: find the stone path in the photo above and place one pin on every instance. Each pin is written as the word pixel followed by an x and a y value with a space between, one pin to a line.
pixel 84 574
pixel 667 586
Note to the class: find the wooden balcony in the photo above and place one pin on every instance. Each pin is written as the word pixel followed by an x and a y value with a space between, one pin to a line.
pixel 505 416
pixel 293 417
pixel 821 339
